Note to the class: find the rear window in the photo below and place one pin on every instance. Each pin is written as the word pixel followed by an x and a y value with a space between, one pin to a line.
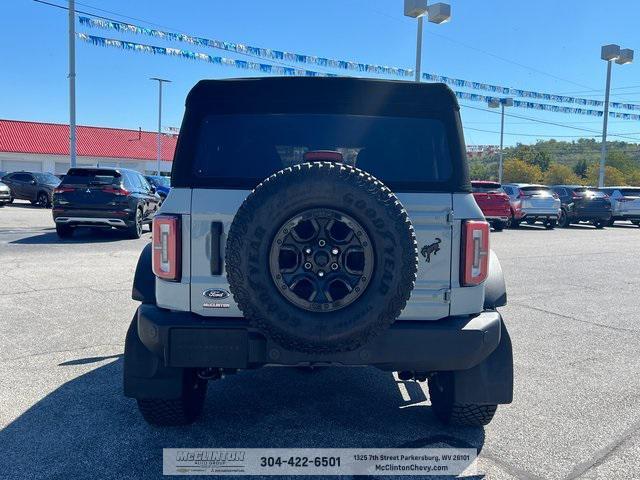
pixel 588 192
pixel 47 178
pixel 537 190
pixel 91 177
pixel 398 150
pixel 630 192
pixel 486 187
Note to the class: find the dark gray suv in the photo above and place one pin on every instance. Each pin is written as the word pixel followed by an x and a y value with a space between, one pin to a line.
pixel 35 187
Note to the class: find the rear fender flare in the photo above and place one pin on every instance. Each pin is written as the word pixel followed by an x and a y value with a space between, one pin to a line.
pixel 495 290
pixel 144 281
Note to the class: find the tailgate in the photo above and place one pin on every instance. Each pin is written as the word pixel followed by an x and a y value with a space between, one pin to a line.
pixel 213 212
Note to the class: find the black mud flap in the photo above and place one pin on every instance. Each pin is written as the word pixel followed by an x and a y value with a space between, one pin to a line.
pixel 491 381
pixel 145 376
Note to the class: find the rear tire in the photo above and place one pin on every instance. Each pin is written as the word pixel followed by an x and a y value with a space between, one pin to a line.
pixel 498 226
pixel 599 224
pixel 64 231
pixel 563 220
pixel 135 230
pixel 550 224
pixel 43 200
pixel 178 411
pixel 441 393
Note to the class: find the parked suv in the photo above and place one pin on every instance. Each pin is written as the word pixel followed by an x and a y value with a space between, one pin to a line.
pixel 5 194
pixel 33 186
pixel 493 202
pixel 532 203
pixel 625 203
pixel 104 197
pixel 162 184
pixel 582 204
pixel 282 243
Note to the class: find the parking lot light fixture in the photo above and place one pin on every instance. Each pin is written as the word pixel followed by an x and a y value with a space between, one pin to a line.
pixel 610 53
pixel 437 13
pixel 495 103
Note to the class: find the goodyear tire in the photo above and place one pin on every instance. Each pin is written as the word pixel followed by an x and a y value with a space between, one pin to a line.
pixel 347 240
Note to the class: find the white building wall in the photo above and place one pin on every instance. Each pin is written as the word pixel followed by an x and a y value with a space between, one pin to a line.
pixel 59 164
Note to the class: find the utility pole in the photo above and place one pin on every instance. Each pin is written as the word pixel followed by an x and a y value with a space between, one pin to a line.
pixel 72 83
pixel 160 82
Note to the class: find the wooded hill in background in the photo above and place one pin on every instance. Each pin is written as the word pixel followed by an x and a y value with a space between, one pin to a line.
pixel 552 162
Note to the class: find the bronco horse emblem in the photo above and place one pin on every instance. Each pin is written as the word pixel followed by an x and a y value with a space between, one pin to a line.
pixel 431 249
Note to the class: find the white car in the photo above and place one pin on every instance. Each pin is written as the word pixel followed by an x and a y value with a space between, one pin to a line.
pixel 625 203
pixel 532 203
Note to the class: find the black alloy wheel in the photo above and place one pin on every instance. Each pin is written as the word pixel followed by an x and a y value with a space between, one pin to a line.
pixel 321 260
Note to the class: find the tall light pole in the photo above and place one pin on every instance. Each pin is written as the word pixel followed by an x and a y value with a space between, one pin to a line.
pixel 72 83
pixel 160 82
pixel 437 13
pixel 495 103
pixel 610 53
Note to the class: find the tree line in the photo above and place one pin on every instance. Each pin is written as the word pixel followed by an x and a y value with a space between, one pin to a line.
pixel 553 162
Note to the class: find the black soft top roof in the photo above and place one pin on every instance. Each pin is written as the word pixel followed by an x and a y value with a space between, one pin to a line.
pixel 320 95
pixel 327 93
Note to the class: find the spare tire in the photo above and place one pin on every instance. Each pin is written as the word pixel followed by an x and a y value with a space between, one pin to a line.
pixel 321 257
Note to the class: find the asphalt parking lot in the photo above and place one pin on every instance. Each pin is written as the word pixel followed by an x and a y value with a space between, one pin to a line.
pixel 572 314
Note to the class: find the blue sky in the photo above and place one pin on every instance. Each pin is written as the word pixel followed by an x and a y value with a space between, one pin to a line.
pixel 541 45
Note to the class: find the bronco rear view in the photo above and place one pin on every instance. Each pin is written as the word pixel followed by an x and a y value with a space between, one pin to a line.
pixel 319 221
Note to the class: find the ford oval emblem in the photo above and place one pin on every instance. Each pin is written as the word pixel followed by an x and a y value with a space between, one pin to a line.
pixel 216 293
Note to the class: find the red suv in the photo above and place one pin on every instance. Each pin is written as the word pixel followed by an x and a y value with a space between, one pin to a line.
pixel 493 202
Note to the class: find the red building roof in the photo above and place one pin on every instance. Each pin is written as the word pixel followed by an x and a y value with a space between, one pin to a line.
pixel 53 138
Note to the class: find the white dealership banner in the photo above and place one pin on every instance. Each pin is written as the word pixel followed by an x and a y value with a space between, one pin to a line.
pixel 320 461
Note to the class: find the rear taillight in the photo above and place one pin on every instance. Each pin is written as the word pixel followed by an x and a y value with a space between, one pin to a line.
pixel 166 247
pixel 475 253
pixel 116 190
pixel 63 189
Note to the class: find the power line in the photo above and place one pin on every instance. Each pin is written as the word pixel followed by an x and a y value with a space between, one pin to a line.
pixel 526 134
pixel 546 122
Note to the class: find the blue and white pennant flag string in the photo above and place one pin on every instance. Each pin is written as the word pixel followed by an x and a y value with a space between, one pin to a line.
pixel 288 71
pixel 278 55
pixel 266 53
pixel 516 92
pixel 176 52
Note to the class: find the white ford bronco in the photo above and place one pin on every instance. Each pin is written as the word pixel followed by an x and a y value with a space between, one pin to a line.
pixel 319 221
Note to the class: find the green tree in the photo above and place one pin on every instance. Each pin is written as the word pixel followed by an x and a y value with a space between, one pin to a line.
pixel 560 175
pixel 633 178
pixel 516 170
pixel 580 168
pixel 481 171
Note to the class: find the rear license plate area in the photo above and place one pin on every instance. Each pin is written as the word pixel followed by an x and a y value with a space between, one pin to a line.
pixel 198 347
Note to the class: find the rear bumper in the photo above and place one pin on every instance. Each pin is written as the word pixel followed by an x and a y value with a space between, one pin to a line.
pixel 497 218
pixel 186 340
pixel 95 218
pixel 526 214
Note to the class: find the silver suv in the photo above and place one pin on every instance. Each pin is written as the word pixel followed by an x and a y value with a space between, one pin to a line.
pixel 319 221
pixel 625 203
pixel 532 203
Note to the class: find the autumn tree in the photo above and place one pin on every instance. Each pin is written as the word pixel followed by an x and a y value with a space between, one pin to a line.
pixel 558 174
